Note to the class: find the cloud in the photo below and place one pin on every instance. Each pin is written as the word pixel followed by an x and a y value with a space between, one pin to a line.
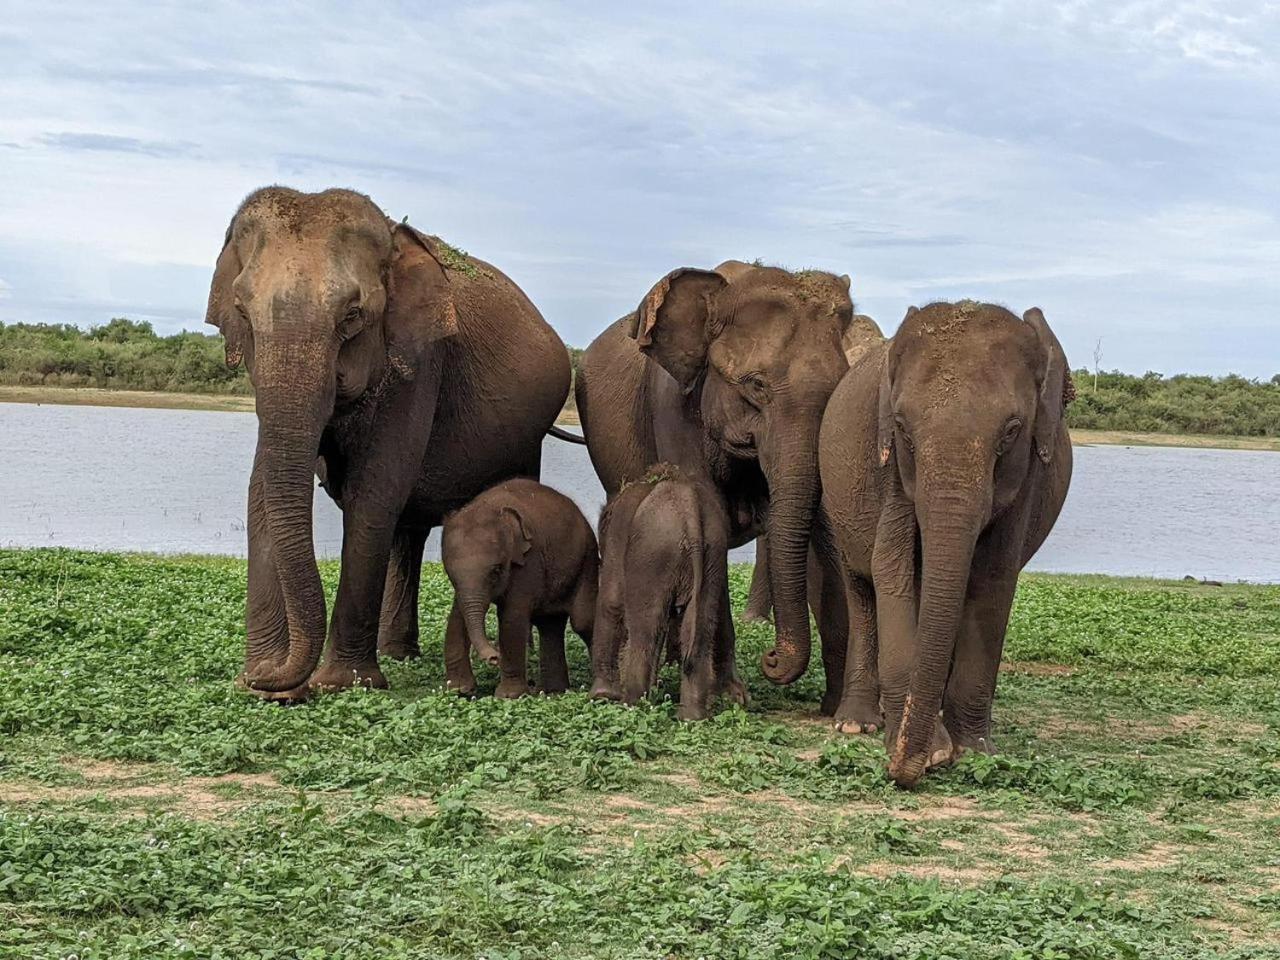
pixel 111 143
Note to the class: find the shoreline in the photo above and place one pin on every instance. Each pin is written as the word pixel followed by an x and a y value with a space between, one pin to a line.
pixel 235 403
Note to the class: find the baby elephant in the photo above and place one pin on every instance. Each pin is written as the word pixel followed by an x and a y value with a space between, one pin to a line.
pixel 665 579
pixel 528 549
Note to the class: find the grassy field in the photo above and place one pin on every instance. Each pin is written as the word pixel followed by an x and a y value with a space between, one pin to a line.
pixel 148 809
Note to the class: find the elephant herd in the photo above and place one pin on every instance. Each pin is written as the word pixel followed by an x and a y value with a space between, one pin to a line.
pixel 897 486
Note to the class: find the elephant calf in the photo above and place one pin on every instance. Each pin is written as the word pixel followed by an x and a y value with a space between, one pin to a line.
pixel 528 549
pixel 664 582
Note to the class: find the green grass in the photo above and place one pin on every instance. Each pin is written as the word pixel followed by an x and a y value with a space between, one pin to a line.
pixel 148 809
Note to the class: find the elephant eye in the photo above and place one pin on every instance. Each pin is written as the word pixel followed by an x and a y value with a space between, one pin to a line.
pixel 351 322
pixel 904 433
pixel 1011 431
pixel 754 390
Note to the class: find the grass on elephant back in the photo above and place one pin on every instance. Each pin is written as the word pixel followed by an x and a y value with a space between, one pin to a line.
pixel 149 809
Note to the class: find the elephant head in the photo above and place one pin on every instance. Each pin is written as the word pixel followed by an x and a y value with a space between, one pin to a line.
pixel 481 544
pixel 323 299
pixel 759 350
pixel 971 407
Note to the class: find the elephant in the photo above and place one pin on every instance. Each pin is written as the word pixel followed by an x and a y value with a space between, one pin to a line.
pixel 412 374
pixel 945 461
pixel 862 334
pixel 528 549
pixel 663 586
pixel 725 373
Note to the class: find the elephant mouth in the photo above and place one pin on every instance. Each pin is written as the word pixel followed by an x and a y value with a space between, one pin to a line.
pixel 742 446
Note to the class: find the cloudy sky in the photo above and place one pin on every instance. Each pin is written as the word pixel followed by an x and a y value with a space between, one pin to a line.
pixel 1117 163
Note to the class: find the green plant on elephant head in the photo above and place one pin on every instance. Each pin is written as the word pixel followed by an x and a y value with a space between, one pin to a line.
pixel 759 351
pixel 322 298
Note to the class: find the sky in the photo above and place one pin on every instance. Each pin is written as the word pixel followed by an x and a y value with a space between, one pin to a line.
pixel 1115 163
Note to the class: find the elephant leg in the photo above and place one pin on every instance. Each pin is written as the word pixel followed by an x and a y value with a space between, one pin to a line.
pixel 971 688
pixel 351 658
pixel 398 623
pixel 759 598
pixel 728 682
pixel 859 709
pixel 697 632
pixel 552 666
pixel 513 651
pixel 826 600
pixel 457 654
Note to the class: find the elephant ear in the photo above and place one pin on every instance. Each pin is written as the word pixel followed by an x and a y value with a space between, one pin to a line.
pixel 734 270
pixel 885 421
pixel 524 542
pixel 859 336
pixel 420 303
pixel 222 312
pixel 1056 386
pixel 675 322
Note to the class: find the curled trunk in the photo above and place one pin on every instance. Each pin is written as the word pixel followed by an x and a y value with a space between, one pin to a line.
pixel 474 609
pixel 793 498
pixel 291 417
pixel 949 529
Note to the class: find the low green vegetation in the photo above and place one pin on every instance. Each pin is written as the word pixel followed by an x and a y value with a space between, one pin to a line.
pixel 149 809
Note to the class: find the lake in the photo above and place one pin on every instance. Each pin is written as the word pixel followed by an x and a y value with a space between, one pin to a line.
pixel 175 481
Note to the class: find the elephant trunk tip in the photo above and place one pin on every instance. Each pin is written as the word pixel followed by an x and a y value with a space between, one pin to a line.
pixel 785 663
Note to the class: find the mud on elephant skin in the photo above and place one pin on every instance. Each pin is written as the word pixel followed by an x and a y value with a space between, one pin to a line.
pixel 664 586
pixel 417 375
pixel 945 463
pixel 725 373
pixel 529 550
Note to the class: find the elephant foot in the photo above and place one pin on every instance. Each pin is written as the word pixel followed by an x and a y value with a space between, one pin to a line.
pixel 857 716
pixel 754 614
pixel 603 690
pixel 510 688
pixel 463 688
pixel 906 771
pixel 399 649
pixel 696 709
pixel 554 688
pixel 975 742
pixel 333 677
pixel 736 690
pixel 299 694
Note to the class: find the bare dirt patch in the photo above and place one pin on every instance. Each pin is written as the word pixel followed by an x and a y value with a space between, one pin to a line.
pixel 1158 857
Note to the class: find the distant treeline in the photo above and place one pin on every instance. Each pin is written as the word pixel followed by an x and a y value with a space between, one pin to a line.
pixel 129 355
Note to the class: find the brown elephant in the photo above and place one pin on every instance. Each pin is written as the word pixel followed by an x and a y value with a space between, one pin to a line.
pixel 862 335
pixel 725 373
pixel 945 461
pixel 529 550
pixel 662 587
pixel 416 374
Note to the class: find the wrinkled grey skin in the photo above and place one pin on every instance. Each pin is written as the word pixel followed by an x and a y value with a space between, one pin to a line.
pixel 945 462
pixel 663 586
pixel 725 373
pixel 529 550
pixel 863 334
pixel 407 376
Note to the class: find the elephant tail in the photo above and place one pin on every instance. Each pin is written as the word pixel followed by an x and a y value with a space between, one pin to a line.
pixel 566 435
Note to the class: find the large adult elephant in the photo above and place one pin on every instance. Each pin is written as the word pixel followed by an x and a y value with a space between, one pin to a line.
pixel 945 460
pixel 408 375
pixel 726 373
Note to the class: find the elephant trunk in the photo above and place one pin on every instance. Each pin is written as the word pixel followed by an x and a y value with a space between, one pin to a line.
pixel 793 498
pixel 950 523
pixel 295 397
pixel 475 605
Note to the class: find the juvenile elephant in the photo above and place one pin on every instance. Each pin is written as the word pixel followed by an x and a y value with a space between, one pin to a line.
pixel 945 462
pixel 663 587
pixel 862 335
pixel 417 375
pixel 530 550
pixel 725 373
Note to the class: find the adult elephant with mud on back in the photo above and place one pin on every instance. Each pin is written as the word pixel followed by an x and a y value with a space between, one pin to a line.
pixel 408 375
pixel 726 373
pixel 945 462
